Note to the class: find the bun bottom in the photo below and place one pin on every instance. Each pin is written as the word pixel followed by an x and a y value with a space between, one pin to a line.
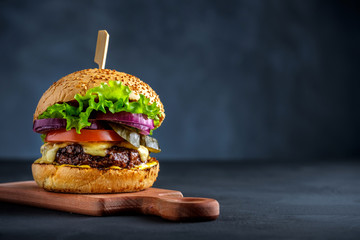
pixel 69 179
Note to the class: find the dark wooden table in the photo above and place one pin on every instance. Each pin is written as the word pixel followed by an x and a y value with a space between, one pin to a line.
pixel 271 200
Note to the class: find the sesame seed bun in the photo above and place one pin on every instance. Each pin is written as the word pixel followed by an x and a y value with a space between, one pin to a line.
pixel 91 180
pixel 65 89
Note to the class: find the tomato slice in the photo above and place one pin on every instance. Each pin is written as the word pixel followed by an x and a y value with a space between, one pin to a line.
pixel 86 136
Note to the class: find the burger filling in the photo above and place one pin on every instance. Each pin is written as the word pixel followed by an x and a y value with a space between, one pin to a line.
pixel 96 155
pixel 116 156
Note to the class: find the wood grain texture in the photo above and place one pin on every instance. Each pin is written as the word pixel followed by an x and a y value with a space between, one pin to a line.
pixel 168 204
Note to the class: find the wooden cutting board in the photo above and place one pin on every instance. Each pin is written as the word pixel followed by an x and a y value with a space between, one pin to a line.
pixel 167 204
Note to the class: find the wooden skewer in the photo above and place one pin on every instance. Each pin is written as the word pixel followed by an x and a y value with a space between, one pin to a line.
pixel 101 48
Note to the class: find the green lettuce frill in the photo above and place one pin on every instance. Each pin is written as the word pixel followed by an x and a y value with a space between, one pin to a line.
pixel 113 97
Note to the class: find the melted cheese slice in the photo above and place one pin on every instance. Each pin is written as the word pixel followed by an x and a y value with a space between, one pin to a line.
pixel 49 150
pixel 140 167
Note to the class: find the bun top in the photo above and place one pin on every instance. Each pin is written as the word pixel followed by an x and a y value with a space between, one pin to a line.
pixel 65 89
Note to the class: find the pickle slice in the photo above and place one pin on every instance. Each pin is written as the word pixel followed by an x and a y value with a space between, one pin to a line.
pixel 132 137
pixel 150 143
pixel 136 139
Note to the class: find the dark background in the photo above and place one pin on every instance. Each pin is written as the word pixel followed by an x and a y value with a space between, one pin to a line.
pixel 239 79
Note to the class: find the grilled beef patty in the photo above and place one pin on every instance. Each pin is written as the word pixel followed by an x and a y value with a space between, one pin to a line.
pixel 116 156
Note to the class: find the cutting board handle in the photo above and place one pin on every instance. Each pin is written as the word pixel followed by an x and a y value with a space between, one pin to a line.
pixel 181 208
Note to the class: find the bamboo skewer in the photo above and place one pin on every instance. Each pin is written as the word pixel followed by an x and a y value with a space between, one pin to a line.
pixel 101 48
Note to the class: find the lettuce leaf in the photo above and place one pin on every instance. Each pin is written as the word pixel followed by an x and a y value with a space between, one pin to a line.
pixel 43 136
pixel 113 97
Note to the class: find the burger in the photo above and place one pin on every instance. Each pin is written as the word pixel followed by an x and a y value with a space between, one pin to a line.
pixel 97 127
